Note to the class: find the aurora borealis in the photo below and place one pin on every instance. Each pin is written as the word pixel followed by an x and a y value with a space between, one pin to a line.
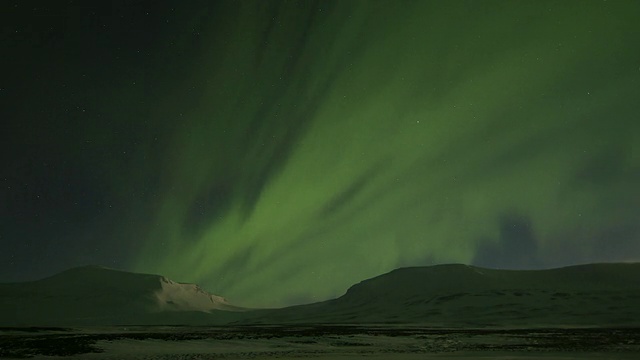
pixel 277 152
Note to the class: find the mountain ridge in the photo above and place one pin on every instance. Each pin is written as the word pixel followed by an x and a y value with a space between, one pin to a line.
pixel 447 295
pixel 464 295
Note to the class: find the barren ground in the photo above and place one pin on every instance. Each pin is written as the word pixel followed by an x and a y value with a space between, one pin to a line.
pixel 317 342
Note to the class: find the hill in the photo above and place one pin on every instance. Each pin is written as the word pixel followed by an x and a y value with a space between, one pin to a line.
pixel 469 296
pixel 94 295
pixel 604 295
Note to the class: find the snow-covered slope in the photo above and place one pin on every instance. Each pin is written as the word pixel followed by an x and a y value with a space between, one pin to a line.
pixel 95 295
pixel 461 295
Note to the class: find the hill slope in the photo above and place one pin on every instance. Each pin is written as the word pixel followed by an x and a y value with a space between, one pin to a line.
pixel 95 295
pixel 461 295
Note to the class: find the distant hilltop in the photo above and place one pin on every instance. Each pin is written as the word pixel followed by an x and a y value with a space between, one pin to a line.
pixel 452 295
pixel 461 295
pixel 95 295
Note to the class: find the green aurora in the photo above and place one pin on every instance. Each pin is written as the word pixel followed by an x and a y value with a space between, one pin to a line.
pixel 277 152
pixel 335 142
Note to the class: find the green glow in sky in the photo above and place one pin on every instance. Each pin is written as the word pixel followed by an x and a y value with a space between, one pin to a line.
pixel 330 143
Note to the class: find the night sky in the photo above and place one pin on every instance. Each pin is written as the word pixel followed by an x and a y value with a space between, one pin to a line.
pixel 277 152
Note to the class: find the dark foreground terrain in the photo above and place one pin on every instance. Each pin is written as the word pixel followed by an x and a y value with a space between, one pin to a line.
pixel 320 342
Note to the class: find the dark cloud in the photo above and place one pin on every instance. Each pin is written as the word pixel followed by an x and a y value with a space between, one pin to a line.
pixel 515 248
